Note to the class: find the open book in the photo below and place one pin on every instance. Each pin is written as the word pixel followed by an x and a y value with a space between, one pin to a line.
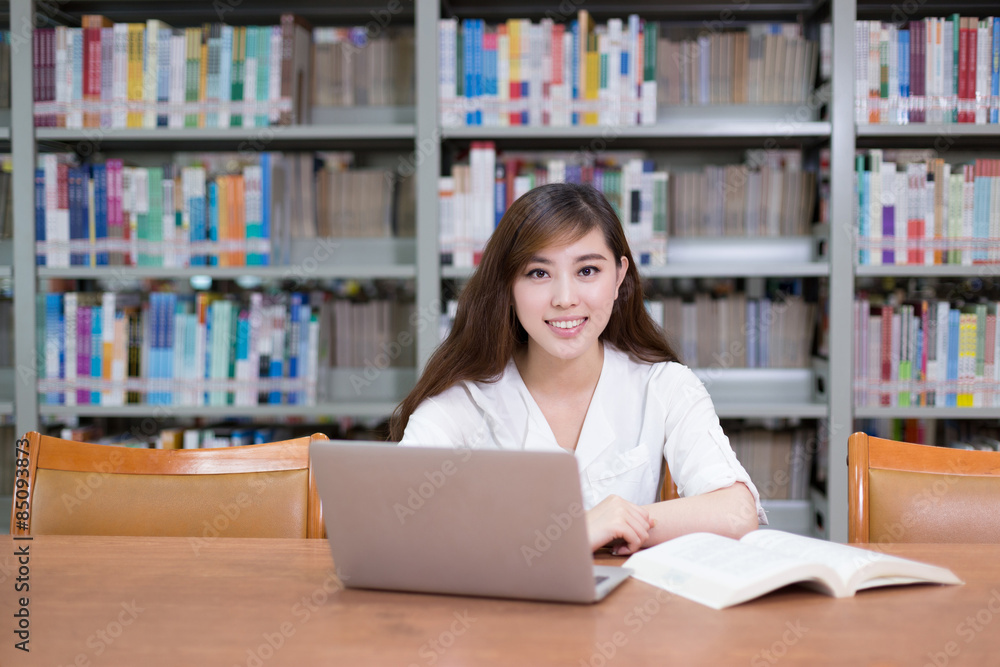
pixel 719 572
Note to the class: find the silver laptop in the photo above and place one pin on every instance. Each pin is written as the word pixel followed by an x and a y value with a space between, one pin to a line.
pixel 458 521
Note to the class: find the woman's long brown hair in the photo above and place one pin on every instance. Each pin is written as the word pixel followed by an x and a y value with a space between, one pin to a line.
pixel 486 331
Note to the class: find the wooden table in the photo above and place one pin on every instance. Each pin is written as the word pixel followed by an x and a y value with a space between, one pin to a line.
pixel 260 602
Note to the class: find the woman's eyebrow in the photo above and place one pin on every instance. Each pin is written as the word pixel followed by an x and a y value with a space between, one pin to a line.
pixel 589 257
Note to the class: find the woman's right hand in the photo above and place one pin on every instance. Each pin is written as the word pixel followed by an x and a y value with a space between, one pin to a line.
pixel 616 518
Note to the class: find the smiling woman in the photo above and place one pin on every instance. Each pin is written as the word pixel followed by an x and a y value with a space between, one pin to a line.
pixel 552 349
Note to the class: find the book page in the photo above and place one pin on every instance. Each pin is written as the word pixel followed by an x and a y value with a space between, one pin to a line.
pixel 718 572
pixel 857 568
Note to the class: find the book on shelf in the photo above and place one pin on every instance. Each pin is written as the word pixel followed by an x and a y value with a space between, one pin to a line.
pixel 932 70
pixel 926 352
pixel 114 349
pixel 720 572
pixel 915 208
pixel 148 75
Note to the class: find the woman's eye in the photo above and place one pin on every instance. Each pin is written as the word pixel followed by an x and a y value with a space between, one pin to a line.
pixel 536 273
pixel 588 271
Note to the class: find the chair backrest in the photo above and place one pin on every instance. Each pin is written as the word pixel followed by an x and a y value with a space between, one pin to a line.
pixel 903 492
pixel 668 490
pixel 78 488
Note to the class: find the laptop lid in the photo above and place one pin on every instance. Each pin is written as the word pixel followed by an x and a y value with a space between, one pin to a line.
pixel 456 521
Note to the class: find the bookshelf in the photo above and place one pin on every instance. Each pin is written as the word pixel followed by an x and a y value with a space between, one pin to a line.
pixel 821 392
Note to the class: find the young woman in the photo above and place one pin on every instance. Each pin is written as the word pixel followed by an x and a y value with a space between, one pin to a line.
pixel 552 348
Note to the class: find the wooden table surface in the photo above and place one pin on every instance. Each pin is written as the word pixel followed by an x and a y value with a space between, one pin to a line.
pixel 266 602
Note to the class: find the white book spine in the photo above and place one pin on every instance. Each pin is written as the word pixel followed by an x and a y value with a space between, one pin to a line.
pixel 274 75
pixel 119 78
pixel 151 62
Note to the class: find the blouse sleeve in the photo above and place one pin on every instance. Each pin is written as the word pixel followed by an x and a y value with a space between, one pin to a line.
pixel 697 451
pixel 437 422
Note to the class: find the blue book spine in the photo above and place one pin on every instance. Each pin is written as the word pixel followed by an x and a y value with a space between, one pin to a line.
pixel 40 257
pixel 163 74
pixel 480 30
pixel 76 218
pixel 197 231
pixel 575 60
pixel 951 399
pixel 995 74
pixel 468 34
pixel 264 258
pixel 54 345
pixel 242 343
pixel 904 74
pixel 169 343
pixel 100 173
pixel 153 372
pixel 209 314
pixel 213 220
pixel 293 343
pixel 96 350
pixel 278 364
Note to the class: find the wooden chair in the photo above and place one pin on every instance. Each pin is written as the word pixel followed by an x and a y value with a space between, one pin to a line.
pixel 668 490
pixel 78 488
pixel 903 492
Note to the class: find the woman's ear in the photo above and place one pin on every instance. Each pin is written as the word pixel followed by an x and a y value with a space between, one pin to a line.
pixel 621 270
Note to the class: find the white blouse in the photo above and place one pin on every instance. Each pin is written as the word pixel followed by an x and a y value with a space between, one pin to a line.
pixel 640 414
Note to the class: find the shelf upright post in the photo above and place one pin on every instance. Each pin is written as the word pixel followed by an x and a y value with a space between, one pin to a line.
pixel 841 350
pixel 22 133
pixel 426 160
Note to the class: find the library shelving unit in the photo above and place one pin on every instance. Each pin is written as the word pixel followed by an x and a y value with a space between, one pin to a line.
pixel 738 393
pixel 391 130
pixel 950 141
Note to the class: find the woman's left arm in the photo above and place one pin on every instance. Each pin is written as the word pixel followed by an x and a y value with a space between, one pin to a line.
pixel 731 512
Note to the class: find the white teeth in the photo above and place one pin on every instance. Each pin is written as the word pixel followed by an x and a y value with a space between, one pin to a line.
pixel 567 324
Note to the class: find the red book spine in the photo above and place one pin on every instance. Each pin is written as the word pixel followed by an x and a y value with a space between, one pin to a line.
pixel 91 72
pixel 970 82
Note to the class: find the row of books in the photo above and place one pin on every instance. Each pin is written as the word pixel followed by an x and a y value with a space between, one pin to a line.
pixel 914 208
pixel 737 331
pixel 579 73
pixel 474 198
pixel 148 75
pixel 779 461
pixel 547 73
pixel 108 348
pixel 926 353
pixel 764 63
pixel 351 68
pixel 222 209
pixel 970 434
pixel 768 195
pixel 934 70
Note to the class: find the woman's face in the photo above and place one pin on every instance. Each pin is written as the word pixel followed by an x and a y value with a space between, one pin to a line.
pixel 564 296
